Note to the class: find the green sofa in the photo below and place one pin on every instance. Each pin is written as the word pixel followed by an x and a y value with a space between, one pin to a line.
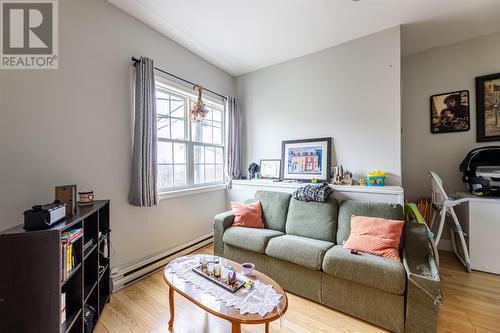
pixel 301 248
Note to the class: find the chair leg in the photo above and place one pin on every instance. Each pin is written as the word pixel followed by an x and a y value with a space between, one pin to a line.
pixel 466 260
pixel 441 224
pixel 434 213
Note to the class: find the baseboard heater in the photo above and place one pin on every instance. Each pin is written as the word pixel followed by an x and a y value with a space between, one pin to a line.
pixel 125 275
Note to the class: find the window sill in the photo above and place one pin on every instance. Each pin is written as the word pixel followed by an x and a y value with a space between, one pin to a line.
pixel 190 191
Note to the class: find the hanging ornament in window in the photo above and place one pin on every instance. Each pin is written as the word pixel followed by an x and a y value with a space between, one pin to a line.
pixel 199 110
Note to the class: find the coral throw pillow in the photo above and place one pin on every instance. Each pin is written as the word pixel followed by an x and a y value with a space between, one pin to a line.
pixel 247 215
pixel 375 236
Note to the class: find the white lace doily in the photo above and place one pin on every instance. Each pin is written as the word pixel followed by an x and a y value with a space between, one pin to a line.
pixel 261 299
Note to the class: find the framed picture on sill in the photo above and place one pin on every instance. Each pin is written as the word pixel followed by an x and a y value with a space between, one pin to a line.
pixel 270 169
pixel 306 159
pixel 450 112
pixel 488 107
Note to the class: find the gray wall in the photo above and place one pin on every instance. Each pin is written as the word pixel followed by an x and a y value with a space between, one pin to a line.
pixel 440 70
pixel 350 92
pixel 73 125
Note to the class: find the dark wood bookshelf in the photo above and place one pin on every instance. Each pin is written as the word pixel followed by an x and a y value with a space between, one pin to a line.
pixel 30 282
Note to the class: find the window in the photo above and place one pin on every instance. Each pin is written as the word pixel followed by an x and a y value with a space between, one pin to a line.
pixel 189 154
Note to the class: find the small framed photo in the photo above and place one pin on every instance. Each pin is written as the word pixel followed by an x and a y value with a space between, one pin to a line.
pixel 270 169
pixel 306 159
pixel 450 112
pixel 488 107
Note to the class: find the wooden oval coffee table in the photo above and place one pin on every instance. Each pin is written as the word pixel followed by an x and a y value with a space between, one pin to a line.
pixel 218 308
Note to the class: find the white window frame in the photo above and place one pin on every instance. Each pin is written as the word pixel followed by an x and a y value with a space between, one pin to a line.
pixel 171 87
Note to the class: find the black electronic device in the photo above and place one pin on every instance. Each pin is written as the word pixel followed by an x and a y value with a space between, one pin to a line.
pixel 43 216
pixel 481 171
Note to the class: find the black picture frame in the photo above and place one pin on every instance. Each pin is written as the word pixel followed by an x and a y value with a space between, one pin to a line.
pixel 440 124
pixel 306 177
pixel 270 160
pixel 483 106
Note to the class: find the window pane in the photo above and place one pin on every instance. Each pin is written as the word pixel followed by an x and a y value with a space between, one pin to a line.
pixel 162 103
pixel 164 152
pixel 209 173
pixel 179 153
pixel 198 154
pixel 209 155
pixel 165 180
pixel 178 129
pixel 219 155
pixel 207 132
pixel 197 132
pixel 163 126
pixel 177 114
pixel 177 107
pixel 219 172
pixel 199 173
pixel 217 135
pixel 202 132
pixel 217 114
pixel 180 175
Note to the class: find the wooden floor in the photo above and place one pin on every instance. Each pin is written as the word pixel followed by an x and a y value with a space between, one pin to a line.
pixel 472 305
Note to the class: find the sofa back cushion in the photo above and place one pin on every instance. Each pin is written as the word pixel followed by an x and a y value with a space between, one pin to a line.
pixel 311 219
pixel 348 208
pixel 274 208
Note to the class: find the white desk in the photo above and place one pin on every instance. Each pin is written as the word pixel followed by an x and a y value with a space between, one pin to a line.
pixel 480 219
pixel 245 189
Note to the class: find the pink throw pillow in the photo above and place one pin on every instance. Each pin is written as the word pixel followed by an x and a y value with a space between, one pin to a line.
pixel 247 215
pixel 375 236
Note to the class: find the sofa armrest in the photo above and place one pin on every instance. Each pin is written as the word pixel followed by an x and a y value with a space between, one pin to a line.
pixel 423 295
pixel 222 221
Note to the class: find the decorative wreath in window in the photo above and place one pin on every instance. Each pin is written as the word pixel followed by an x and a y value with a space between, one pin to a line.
pixel 199 111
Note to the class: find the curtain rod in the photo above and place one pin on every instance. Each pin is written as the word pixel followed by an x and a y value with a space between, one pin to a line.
pixel 135 61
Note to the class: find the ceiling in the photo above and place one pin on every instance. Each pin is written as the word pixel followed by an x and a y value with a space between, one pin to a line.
pixel 242 36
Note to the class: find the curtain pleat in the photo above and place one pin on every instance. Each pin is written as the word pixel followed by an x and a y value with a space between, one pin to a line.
pixel 143 187
pixel 233 141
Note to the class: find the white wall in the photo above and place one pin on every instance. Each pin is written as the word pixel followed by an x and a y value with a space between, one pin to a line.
pixel 440 70
pixel 73 125
pixel 350 92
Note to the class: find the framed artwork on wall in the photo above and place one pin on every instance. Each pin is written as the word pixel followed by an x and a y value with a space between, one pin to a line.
pixel 270 169
pixel 488 107
pixel 306 159
pixel 450 112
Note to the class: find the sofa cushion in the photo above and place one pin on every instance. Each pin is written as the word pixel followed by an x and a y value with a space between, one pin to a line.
pixel 348 208
pixel 316 220
pixel 298 250
pixel 252 239
pixel 247 215
pixel 375 235
pixel 274 208
pixel 366 269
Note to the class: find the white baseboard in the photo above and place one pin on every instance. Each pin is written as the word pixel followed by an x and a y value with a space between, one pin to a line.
pixel 122 276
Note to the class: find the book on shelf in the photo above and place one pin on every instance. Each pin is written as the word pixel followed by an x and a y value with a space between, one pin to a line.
pixel 63 308
pixel 71 236
pixel 68 255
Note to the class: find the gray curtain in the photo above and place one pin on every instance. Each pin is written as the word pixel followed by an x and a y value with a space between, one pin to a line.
pixel 143 188
pixel 233 141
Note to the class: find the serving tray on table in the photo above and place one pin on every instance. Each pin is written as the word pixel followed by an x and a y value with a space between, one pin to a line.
pixel 234 287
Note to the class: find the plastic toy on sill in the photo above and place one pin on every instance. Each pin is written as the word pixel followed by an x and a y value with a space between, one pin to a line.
pixel 375 178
